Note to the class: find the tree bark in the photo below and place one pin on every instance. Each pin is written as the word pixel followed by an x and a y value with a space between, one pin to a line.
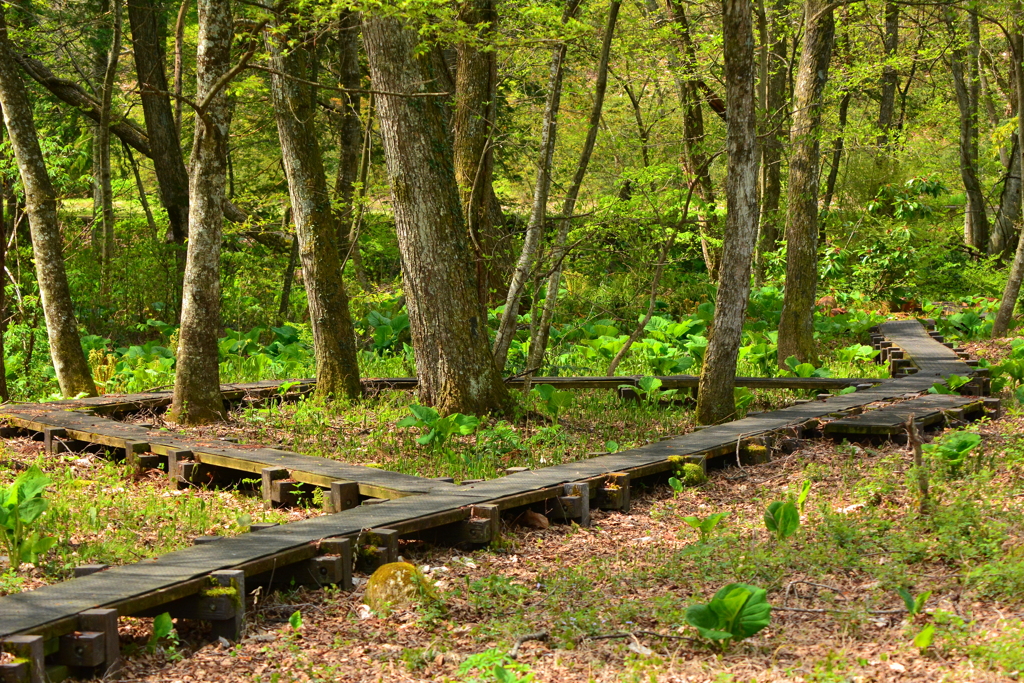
pixel 4 189
pixel 454 365
pixel 69 361
pixel 164 140
pixel 541 189
pixel 1001 324
pixel 316 224
pixel 715 402
pixel 890 77
pixel 776 117
pixel 796 326
pixel 106 192
pixel 837 155
pixel 349 125
pixel 476 80
pixel 539 340
pixel 179 51
pixel 1005 231
pixel 143 199
pixel 197 397
pixel 964 69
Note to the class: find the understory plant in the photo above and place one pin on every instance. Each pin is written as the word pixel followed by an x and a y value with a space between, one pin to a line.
pixel 953 450
pixel 736 612
pixel 439 429
pixel 21 505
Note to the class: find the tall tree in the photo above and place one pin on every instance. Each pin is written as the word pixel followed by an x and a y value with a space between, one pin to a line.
pixel 106 190
pixel 197 397
pixel 316 224
pixel 145 17
pixel 69 361
pixel 349 125
pixel 476 82
pixel 963 63
pixel 715 401
pixel 1005 232
pixel 1001 324
pixel 776 118
pixel 454 365
pixel 541 190
pixel 542 331
pixel 890 80
pixel 796 326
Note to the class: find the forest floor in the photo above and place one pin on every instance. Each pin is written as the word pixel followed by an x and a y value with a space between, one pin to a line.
pixel 837 615
pixel 610 598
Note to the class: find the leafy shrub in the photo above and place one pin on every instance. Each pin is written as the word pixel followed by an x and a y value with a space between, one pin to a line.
pixel 953 450
pixel 439 429
pixel 782 519
pixel 21 505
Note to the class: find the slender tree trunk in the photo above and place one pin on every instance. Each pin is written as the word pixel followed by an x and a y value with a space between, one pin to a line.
pixel 541 188
pixel 289 273
pixel 316 224
pixel 4 189
pixel 1001 324
pixel 454 365
pixel 539 339
pixel 1005 231
pixel 776 118
pixel 359 206
pixel 890 79
pixel 837 155
pixel 796 326
pixel 143 199
pixel 197 397
pixel 179 46
pixel 964 69
pixel 161 125
pixel 349 126
pixel 715 401
pixel 475 90
pixel 69 362
pixel 694 152
pixel 103 145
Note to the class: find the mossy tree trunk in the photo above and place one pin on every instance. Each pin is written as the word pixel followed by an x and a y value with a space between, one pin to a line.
pixel 715 401
pixel 454 365
pixel 316 225
pixel 197 397
pixel 69 361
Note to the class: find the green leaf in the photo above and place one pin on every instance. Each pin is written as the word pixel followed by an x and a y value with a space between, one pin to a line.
pixel 712 521
pixel 908 599
pixel 611 446
pixel 425 413
pixel 676 485
pixel 782 519
pixel 30 510
pixel 706 621
pixel 467 424
pixel 923 640
pixel 163 626
pixel 31 483
pixel 805 490
pixel 692 521
pixel 295 620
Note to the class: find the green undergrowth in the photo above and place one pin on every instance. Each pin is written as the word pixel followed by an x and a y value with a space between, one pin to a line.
pixel 101 513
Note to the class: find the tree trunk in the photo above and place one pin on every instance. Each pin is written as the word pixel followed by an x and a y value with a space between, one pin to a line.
pixel 715 402
pixel 1006 232
pixel 143 199
pixel 179 52
pixel 454 365
pixel 964 69
pixel 163 132
pixel 837 155
pixel 890 78
pixel 4 189
pixel 539 340
pixel 289 273
pixel 69 362
pixel 103 149
pixel 796 326
pixel 1001 324
pixel 475 90
pixel 541 188
pixel 776 117
pixel 694 152
pixel 197 397
pixel 349 126
pixel 316 224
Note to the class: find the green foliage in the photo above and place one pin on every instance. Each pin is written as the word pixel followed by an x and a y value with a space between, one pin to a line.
pixel 551 400
pixel 295 620
pixel 904 202
pixel 743 397
pixel 650 389
pixel 782 519
pixel 439 429
pixel 801 500
pixel 495 665
pixel 914 605
pixel 736 612
pixel 858 353
pixel 923 639
pixel 953 450
pixel 798 369
pixel 163 627
pixel 21 505
pixel 950 385
pixel 705 527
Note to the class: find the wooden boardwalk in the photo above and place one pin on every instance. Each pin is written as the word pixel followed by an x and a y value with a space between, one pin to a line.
pixel 323 546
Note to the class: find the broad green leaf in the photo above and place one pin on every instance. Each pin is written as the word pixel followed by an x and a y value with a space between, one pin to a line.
pixel 706 621
pixel 295 620
pixel 30 510
pixel 923 640
pixel 782 519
